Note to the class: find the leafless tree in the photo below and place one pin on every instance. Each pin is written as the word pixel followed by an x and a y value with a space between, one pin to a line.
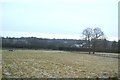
pixel 97 34
pixel 87 33
pixel 93 34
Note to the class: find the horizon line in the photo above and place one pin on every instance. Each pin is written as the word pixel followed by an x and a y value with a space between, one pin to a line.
pixel 48 35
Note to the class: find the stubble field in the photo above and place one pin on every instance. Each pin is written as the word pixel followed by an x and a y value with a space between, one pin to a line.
pixel 56 64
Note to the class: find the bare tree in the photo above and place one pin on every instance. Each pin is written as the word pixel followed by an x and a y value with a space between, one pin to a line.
pixel 97 34
pixel 87 33
pixel 92 34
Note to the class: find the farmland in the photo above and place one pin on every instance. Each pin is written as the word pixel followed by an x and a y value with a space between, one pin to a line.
pixel 57 64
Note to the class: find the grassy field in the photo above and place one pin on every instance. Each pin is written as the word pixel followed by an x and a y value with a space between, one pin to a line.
pixel 56 64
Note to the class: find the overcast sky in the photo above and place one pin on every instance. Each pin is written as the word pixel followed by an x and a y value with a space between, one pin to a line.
pixel 58 18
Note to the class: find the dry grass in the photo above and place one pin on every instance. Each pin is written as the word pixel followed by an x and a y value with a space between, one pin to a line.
pixel 56 64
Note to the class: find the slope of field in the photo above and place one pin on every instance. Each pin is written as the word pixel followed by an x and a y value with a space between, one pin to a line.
pixel 56 64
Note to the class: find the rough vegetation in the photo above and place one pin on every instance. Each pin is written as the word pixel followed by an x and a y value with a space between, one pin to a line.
pixel 100 45
pixel 56 64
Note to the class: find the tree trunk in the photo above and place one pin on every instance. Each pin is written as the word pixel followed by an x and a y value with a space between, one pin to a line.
pixel 93 46
pixel 89 46
pixel 93 52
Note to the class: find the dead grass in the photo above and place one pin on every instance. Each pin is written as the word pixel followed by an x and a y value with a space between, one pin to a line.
pixel 56 64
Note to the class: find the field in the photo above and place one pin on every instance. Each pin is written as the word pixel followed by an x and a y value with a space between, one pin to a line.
pixel 57 64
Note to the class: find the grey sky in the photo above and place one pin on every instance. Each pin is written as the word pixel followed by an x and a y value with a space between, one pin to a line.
pixel 60 17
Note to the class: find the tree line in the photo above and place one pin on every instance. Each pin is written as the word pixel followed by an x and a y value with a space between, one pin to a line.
pixel 102 45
